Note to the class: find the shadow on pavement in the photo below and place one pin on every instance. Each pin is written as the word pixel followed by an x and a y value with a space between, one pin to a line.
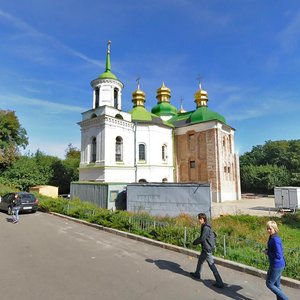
pixel 229 290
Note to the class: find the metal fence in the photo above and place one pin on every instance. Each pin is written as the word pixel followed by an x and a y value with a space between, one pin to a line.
pixel 240 249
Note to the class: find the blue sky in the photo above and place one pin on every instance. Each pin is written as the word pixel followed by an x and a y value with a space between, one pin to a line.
pixel 246 52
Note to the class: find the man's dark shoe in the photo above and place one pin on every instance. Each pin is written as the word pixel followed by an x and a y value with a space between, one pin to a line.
pixel 219 285
pixel 194 275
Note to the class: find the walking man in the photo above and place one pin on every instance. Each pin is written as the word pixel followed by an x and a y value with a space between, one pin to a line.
pixel 16 208
pixel 206 236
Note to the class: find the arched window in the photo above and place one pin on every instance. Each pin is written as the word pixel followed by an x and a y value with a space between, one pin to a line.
pixel 142 152
pixel 97 93
pixel 119 148
pixel 164 155
pixel 94 147
pixel 118 116
pixel 116 96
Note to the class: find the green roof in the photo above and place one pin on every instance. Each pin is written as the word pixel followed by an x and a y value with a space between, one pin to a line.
pixel 164 109
pixel 141 114
pixel 201 114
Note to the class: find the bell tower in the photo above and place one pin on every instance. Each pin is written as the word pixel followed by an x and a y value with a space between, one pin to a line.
pixel 107 88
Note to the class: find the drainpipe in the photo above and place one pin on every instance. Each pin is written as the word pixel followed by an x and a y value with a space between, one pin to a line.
pixel 135 164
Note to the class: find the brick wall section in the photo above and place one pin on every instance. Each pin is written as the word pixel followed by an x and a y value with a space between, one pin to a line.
pixel 208 156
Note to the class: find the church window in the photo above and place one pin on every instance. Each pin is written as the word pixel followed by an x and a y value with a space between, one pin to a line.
pixel 97 94
pixel 118 116
pixel 164 152
pixel 142 152
pixel 116 96
pixel 94 147
pixel 119 148
pixel 192 164
pixel 142 180
pixel 191 141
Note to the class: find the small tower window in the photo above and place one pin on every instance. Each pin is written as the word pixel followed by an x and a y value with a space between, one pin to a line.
pixel 164 152
pixel 116 98
pixel 94 147
pixel 142 152
pixel 119 148
pixel 97 93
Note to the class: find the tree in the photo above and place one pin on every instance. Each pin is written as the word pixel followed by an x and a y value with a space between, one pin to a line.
pixel 12 137
pixel 273 164
pixel 66 171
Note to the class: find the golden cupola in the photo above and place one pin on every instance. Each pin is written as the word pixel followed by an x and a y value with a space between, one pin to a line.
pixel 201 97
pixel 164 108
pixel 138 97
pixel 163 94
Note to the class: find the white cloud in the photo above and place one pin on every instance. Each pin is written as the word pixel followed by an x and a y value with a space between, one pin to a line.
pixel 46 105
pixel 31 32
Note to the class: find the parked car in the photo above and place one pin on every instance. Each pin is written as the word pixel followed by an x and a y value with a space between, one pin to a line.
pixel 29 202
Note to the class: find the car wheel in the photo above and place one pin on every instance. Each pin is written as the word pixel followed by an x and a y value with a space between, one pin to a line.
pixel 9 210
pixel 33 211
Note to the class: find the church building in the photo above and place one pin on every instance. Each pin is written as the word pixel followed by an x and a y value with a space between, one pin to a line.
pixel 161 145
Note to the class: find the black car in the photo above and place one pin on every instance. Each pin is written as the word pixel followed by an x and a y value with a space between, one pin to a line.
pixel 28 202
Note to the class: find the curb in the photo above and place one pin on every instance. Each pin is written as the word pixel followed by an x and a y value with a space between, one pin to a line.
pixel 220 261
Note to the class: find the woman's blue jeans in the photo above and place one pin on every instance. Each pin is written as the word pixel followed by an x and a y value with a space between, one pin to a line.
pixel 273 282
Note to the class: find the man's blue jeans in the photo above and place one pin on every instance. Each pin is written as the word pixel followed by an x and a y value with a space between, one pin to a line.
pixel 209 258
pixel 273 282
pixel 16 213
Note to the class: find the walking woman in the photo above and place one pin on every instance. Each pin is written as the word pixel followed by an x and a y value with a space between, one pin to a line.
pixel 276 260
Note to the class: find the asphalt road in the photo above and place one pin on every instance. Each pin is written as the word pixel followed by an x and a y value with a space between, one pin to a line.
pixel 46 257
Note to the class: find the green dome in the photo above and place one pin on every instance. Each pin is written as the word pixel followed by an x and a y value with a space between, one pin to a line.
pixel 108 75
pixel 203 114
pixel 164 109
pixel 141 114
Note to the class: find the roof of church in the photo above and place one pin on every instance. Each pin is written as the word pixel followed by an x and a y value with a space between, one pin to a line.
pixel 201 114
pixel 141 115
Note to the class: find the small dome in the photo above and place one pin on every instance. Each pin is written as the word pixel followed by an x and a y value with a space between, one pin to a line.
pixel 164 109
pixel 108 75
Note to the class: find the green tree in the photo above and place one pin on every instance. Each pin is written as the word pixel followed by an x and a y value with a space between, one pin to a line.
pixel 12 137
pixel 23 173
pixel 273 164
pixel 66 171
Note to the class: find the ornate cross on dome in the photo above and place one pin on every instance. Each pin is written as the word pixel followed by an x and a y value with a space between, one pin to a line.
pixel 138 81
pixel 199 78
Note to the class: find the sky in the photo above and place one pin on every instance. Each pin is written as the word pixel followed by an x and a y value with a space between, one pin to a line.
pixel 245 53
